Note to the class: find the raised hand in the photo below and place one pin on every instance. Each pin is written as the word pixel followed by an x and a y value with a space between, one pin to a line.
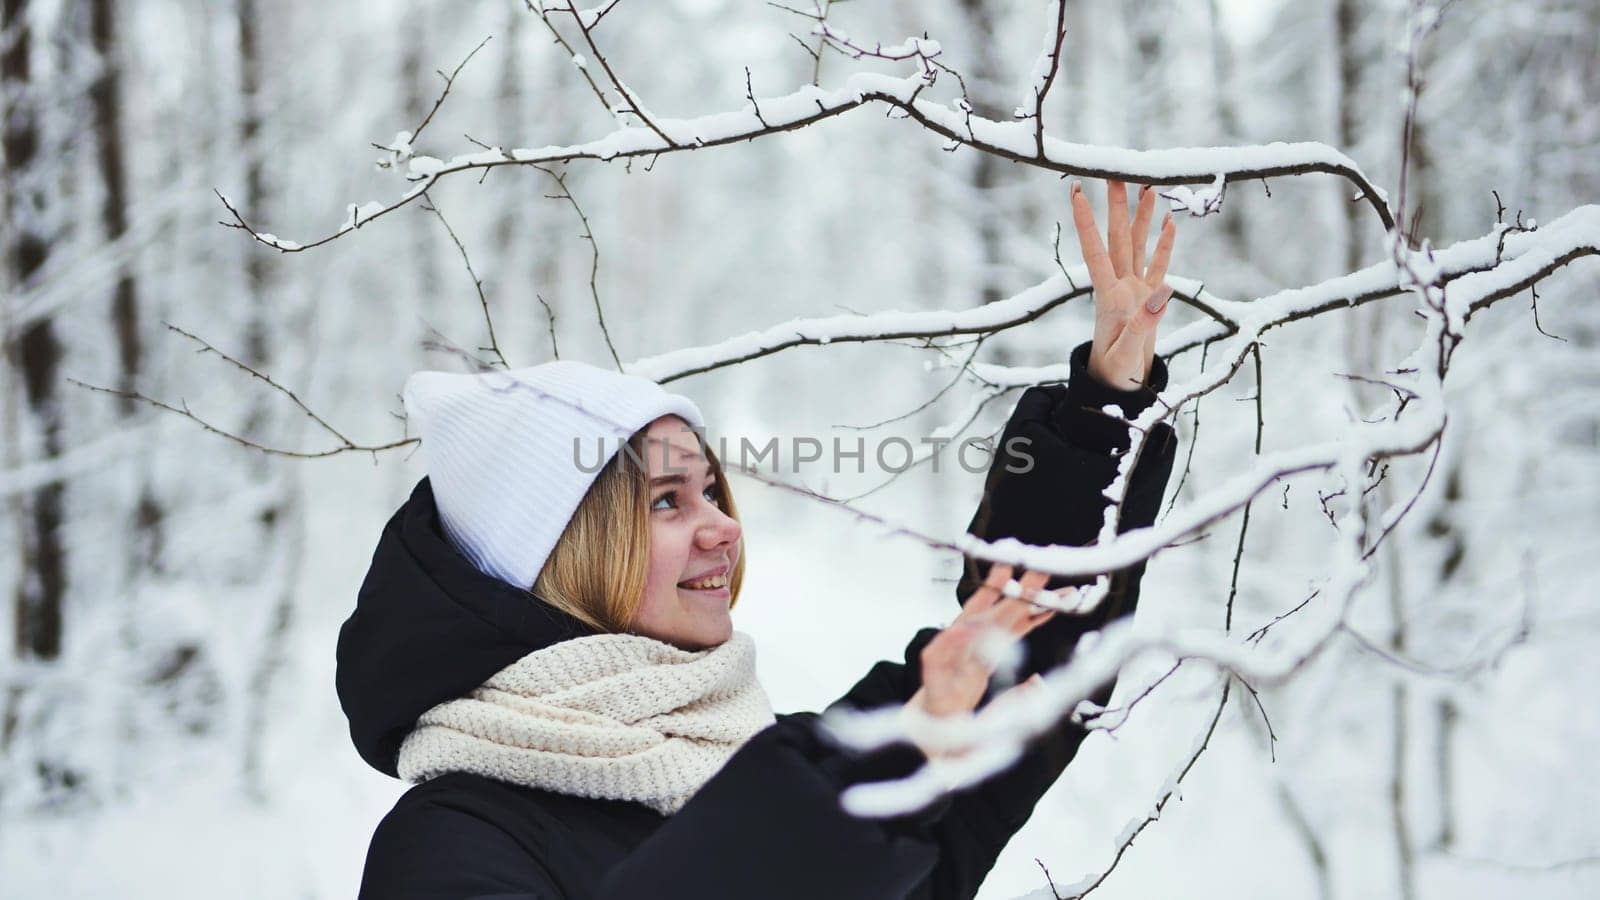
pixel 1129 297
pixel 954 672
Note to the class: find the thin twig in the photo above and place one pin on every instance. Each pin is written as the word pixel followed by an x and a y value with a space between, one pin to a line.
pixel 935 453
pixel 594 259
pixel 572 55
pixel 449 80
pixel 1272 736
pixel 207 347
pixel 1426 477
pixel 1120 713
pixel 1194 439
pixel 183 410
pixel 1161 804
pixel 634 106
pixel 1244 523
pixel 477 283
pixel 1259 633
pixel 963 369
pixel 1058 35
pixel 555 352
pixel 750 94
pixel 1048 880
pixel 1534 290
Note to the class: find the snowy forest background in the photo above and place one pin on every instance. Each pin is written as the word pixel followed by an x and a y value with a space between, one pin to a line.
pixel 168 726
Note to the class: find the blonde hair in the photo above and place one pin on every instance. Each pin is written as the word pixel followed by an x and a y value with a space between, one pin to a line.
pixel 598 568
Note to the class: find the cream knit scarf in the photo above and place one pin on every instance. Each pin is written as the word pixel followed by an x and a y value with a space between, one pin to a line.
pixel 614 716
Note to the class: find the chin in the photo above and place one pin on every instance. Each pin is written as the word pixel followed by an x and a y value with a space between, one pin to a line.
pixel 714 636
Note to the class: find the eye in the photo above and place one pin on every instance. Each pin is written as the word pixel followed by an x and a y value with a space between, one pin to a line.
pixel 711 493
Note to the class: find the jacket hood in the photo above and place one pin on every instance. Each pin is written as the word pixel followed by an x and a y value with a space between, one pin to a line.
pixel 429 627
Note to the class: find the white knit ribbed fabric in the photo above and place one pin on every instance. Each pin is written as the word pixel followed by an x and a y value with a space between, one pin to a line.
pixel 613 716
pixel 510 454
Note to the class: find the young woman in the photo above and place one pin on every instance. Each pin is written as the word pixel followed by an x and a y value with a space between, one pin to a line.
pixel 545 643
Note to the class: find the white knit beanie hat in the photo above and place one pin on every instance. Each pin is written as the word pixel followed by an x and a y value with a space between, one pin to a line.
pixel 502 451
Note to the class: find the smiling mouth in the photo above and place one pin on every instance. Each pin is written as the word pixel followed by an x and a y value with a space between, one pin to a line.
pixel 717 595
pixel 706 585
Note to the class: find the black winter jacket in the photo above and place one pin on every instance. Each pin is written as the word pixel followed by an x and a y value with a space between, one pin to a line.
pixel 428 627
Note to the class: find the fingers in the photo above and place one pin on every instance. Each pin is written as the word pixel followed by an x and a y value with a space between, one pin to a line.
pixel 1019 615
pixel 1117 230
pixel 1031 582
pixel 1135 344
pixel 1037 615
pixel 1093 249
pixel 1141 226
pixel 989 606
pixel 987 593
pixel 1035 618
pixel 957 664
pixel 1157 273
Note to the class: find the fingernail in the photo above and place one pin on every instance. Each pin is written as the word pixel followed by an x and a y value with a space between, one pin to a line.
pixel 1077 188
pixel 1158 300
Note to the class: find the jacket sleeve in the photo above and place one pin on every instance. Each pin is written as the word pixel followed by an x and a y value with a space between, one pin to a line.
pixel 769 825
pixel 1075 450
pixel 1052 495
pixel 1051 492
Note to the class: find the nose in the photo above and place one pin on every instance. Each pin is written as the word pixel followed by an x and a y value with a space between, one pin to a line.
pixel 717 529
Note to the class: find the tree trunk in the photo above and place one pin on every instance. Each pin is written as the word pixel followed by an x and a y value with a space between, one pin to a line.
pixel 985 85
pixel 36 426
pixel 36 352
pixel 1227 112
pixel 258 354
pixel 109 140
pixel 1347 18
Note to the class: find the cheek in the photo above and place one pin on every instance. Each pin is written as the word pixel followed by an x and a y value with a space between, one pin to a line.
pixel 668 555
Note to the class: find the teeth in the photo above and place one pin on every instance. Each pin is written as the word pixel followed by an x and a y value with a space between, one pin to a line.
pixel 716 581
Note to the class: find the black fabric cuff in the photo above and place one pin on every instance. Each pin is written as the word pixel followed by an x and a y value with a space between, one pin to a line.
pixel 1081 415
